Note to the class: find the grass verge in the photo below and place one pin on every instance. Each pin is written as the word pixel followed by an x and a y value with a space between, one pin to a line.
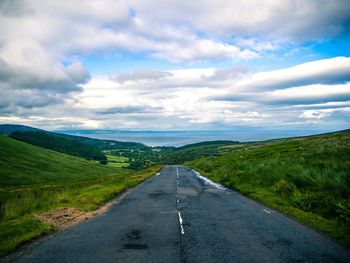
pixel 18 206
pixel 306 178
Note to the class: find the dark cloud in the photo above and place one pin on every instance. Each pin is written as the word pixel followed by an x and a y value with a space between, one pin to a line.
pixel 13 8
pixel 60 79
pixel 26 99
pixel 28 88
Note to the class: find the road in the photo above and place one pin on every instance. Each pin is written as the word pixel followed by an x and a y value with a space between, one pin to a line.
pixel 179 216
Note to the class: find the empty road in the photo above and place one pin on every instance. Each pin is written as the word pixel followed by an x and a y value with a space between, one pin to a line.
pixel 179 216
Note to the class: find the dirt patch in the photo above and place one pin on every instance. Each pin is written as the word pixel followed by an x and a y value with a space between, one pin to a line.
pixel 60 217
pixel 67 217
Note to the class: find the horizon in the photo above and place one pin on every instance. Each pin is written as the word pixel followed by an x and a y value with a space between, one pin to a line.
pixel 182 138
pixel 227 66
pixel 178 138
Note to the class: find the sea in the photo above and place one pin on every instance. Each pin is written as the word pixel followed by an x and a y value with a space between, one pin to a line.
pixel 180 138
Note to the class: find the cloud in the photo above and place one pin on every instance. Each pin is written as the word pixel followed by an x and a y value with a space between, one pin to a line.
pixel 318 80
pixel 327 71
pixel 206 97
pixel 140 75
pixel 129 110
pixel 202 50
pixel 217 30
pixel 323 113
pixel 309 94
pixel 43 78
pixel 277 20
pixel 229 73
pixel 217 96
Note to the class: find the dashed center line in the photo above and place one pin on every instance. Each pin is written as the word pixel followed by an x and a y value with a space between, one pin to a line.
pixel 181 223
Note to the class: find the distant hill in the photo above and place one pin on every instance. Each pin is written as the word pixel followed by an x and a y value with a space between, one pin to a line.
pixel 7 129
pixel 23 164
pixel 60 143
pixel 105 144
pixel 196 150
pixel 206 143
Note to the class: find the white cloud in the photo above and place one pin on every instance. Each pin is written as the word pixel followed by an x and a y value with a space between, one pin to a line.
pixel 286 20
pixel 209 97
pixel 320 114
pixel 42 78
pixel 326 71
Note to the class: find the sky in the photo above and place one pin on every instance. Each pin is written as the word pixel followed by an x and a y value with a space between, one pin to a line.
pixel 176 65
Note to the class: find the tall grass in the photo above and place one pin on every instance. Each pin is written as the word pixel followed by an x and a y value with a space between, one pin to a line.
pixel 19 205
pixel 305 177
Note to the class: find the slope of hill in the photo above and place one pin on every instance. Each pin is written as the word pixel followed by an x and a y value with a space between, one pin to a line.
pixel 7 129
pixel 60 144
pixel 192 151
pixel 23 164
pixel 34 180
pixel 306 177
pixel 139 156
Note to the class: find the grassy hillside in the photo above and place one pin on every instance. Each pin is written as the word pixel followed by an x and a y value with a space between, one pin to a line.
pixel 192 151
pixel 139 156
pixel 308 178
pixel 24 164
pixel 59 143
pixel 7 129
pixel 34 180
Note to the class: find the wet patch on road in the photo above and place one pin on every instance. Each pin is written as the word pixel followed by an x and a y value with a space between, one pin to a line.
pixel 134 237
pixel 156 195
pixel 189 191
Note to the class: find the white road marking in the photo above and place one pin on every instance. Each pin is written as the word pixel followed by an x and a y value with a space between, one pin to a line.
pixel 181 223
pixel 267 211
pixel 209 182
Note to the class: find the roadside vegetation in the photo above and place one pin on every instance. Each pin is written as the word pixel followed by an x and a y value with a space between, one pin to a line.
pixel 35 180
pixel 307 178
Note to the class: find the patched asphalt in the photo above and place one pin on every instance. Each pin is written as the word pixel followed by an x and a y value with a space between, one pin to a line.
pixel 217 225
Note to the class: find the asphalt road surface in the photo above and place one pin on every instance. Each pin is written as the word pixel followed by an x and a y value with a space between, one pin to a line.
pixel 179 216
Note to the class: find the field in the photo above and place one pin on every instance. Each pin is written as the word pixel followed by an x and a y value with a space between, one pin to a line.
pixel 307 178
pixel 36 180
pixel 117 161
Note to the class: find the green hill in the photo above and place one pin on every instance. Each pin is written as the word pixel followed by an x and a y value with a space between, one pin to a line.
pixel 306 177
pixel 196 150
pixel 34 180
pixel 7 129
pixel 59 143
pixel 24 164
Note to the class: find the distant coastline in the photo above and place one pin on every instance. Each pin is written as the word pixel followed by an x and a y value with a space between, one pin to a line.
pixel 180 138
